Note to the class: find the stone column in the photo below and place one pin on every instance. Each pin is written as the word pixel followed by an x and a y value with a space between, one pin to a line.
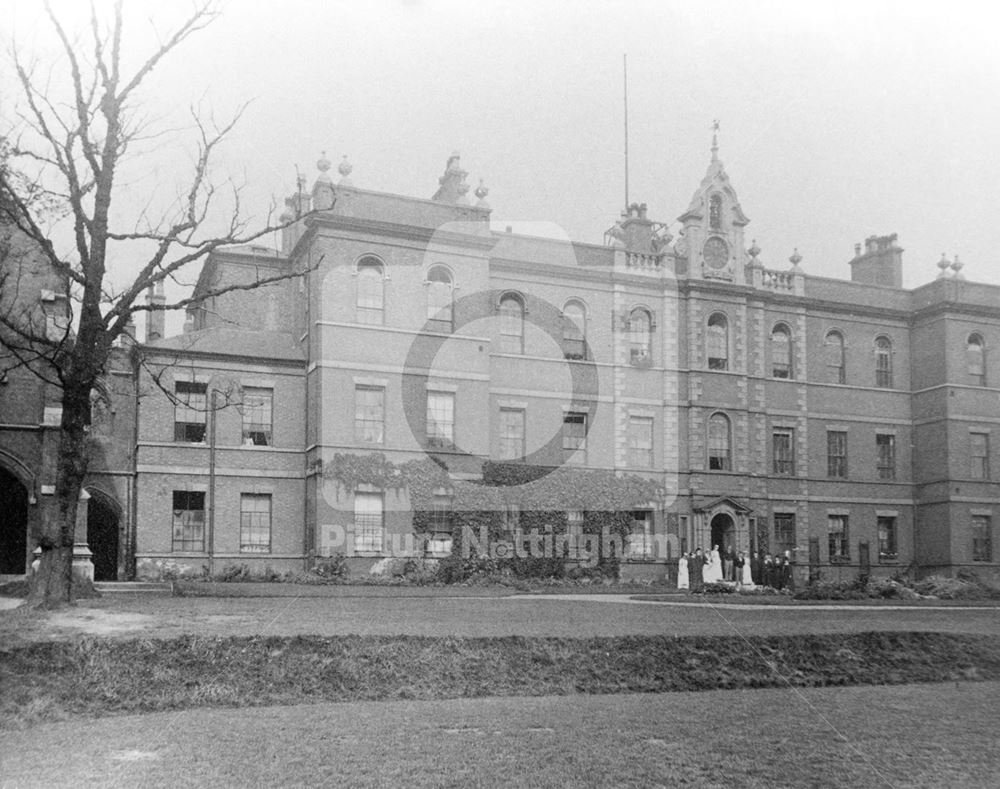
pixel 83 566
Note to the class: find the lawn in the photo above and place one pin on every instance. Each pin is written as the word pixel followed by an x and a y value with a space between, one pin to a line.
pixel 401 614
pixel 834 738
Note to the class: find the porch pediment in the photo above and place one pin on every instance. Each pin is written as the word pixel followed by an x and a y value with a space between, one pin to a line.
pixel 722 502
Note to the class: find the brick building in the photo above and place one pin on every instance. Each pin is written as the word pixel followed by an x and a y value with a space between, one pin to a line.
pixel 846 421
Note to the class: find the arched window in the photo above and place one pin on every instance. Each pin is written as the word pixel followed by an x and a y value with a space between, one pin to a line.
pixel 640 330
pixel 574 332
pixel 371 286
pixel 511 324
pixel 833 347
pixel 715 212
pixel 975 357
pixel 439 299
pixel 717 342
pixel 781 351
pixel 883 362
pixel 719 443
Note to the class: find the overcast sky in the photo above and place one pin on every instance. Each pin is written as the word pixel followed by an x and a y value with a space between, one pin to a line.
pixel 838 119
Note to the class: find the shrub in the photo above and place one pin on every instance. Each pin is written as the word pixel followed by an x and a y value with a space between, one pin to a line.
pixel 967 586
pixel 831 590
pixel 332 568
pixel 233 572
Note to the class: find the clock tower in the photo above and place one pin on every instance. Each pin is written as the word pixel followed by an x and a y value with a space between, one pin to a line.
pixel 712 240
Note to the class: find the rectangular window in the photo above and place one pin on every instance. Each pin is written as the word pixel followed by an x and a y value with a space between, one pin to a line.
pixel 255 523
pixel 640 537
pixel 511 518
pixel 441 419
pixel 640 441
pixel 784 532
pixel 257 409
pixel 189 521
pixel 440 529
pixel 719 455
pixel 573 340
pixel 190 407
pixel 369 523
pixel 575 548
pixel 982 542
pixel 980 455
pixel 836 453
pixel 511 434
pixel 574 438
pixel 369 414
pixel 784 452
pixel 886 446
pixel 887 549
pixel 840 550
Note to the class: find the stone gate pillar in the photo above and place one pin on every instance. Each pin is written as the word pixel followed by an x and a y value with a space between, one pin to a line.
pixel 83 565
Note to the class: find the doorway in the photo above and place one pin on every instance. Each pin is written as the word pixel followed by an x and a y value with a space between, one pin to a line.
pixel 102 536
pixel 13 525
pixel 723 531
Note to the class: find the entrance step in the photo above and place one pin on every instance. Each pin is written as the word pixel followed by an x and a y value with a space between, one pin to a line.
pixel 134 587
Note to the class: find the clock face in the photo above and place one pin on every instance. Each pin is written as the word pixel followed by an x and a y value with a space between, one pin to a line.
pixel 716 253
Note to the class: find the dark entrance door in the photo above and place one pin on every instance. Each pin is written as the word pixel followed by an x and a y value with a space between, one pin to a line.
pixel 102 537
pixel 723 532
pixel 13 525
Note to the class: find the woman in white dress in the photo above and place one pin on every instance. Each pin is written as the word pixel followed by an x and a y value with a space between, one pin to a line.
pixel 713 570
pixel 746 581
pixel 683 582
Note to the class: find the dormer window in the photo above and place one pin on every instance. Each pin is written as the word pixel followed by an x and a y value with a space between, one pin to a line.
pixel 715 212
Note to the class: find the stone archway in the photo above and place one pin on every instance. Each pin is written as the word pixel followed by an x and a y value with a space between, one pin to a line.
pixel 13 524
pixel 103 519
pixel 723 531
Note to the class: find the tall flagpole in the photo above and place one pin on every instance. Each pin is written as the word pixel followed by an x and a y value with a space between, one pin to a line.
pixel 625 76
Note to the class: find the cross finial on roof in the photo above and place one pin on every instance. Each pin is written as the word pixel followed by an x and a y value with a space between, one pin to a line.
pixel 715 140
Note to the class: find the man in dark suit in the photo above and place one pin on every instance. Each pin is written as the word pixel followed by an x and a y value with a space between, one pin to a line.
pixel 728 563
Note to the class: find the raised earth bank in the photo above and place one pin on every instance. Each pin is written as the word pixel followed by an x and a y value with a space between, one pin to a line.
pixel 51 681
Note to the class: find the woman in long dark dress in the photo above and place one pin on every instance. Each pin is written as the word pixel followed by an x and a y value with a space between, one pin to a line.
pixel 696 569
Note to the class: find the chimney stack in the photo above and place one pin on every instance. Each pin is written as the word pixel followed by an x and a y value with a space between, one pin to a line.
pixel 881 263
pixel 156 319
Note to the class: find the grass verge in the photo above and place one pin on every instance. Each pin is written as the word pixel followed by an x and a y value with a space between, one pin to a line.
pixel 50 681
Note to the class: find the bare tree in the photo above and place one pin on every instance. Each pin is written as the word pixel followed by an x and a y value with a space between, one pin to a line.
pixel 65 159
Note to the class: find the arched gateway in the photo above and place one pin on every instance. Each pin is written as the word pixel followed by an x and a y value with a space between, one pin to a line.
pixel 13 525
pixel 103 519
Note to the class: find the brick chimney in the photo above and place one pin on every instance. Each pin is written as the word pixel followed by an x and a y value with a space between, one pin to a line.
pixel 881 262
pixel 156 319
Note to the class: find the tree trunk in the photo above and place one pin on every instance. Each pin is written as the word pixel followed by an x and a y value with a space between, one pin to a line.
pixel 52 584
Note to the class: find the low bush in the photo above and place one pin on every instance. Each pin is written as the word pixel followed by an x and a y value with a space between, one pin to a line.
pixel 967 586
pixel 831 590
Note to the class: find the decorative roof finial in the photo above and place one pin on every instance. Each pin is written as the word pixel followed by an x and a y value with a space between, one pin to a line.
pixel 796 258
pixel 943 264
pixel 956 266
pixel 323 165
pixel 481 192
pixel 753 252
pixel 715 140
pixel 345 169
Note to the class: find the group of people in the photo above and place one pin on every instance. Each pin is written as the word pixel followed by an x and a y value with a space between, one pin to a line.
pixel 697 568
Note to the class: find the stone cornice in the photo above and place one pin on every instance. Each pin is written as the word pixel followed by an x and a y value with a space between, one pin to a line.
pixel 420 235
